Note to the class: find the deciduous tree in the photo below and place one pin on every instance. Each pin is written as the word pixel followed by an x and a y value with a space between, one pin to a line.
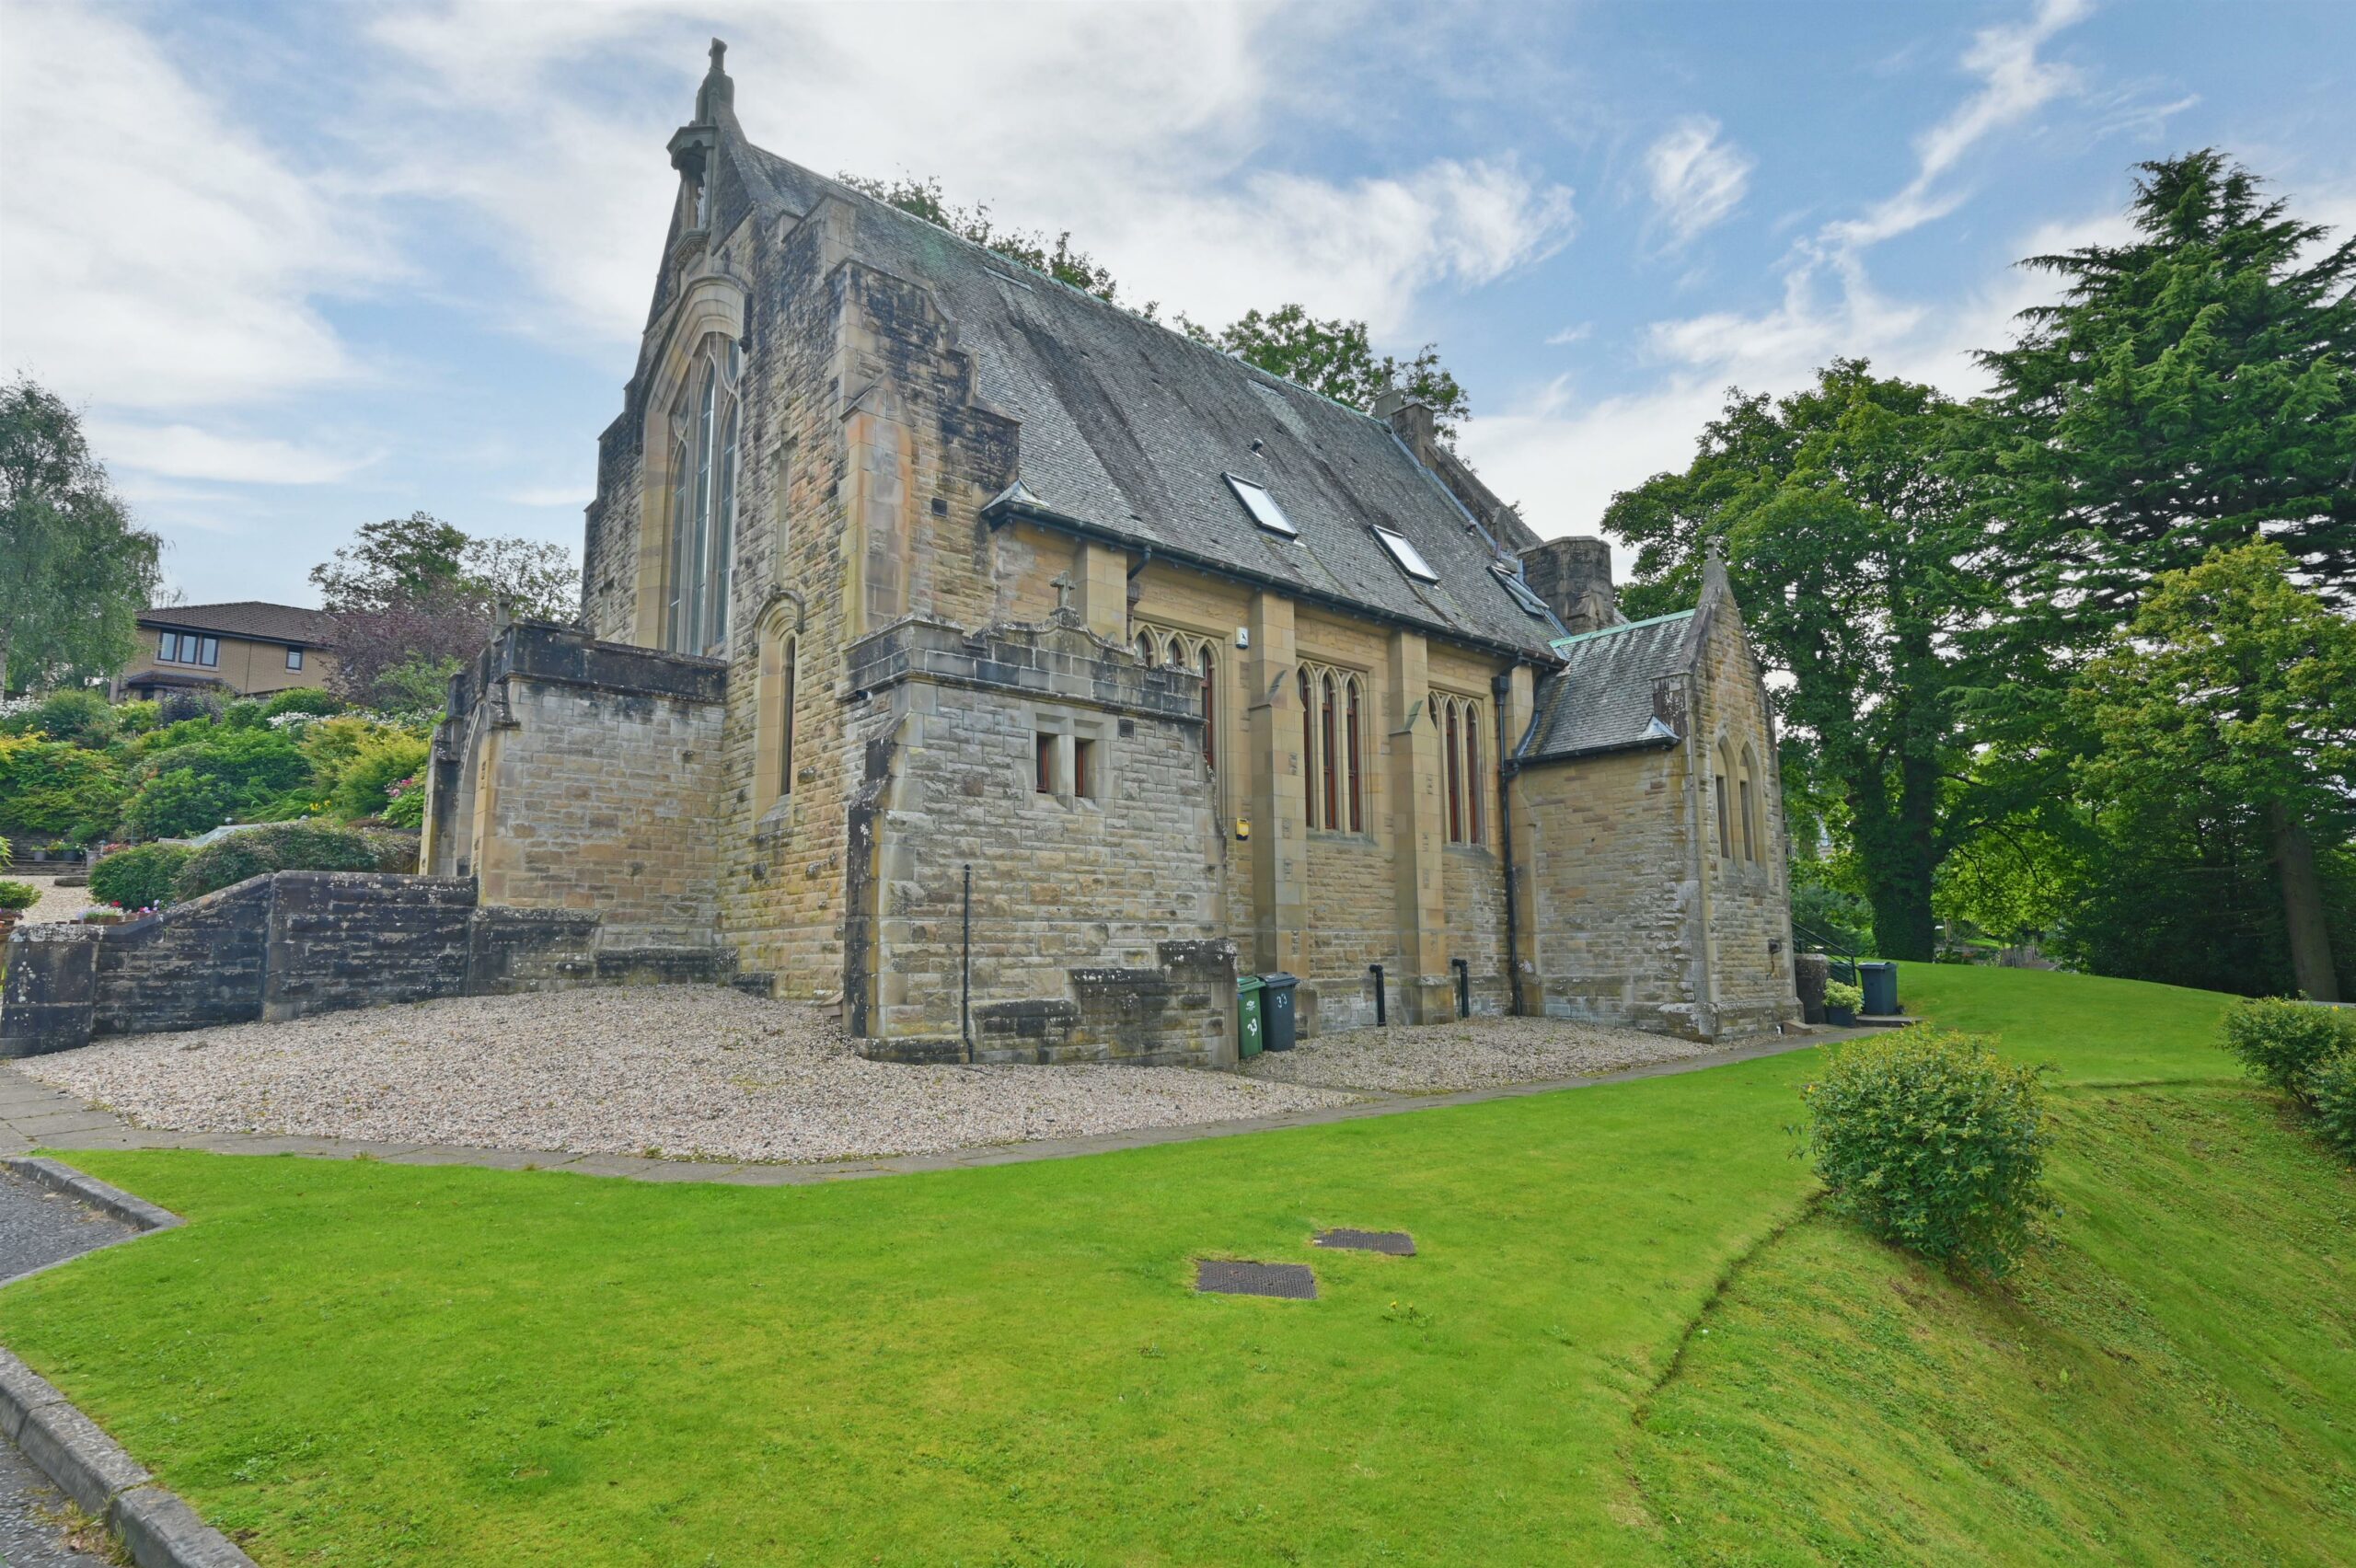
pixel 2226 714
pixel 1863 580
pixel 77 570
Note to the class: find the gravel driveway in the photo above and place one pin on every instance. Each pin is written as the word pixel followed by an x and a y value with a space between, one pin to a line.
pixel 686 1071
pixel 1477 1053
pixel 56 903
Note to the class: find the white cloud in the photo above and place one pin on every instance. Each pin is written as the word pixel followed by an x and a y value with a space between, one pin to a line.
pixel 1578 334
pixel 1566 461
pixel 155 253
pixel 185 452
pixel 2013 84
pixel 1697 179
pixel 1140 141
pixel 550 495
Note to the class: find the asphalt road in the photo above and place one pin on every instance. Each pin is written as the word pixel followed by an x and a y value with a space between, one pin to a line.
pixel 38 1228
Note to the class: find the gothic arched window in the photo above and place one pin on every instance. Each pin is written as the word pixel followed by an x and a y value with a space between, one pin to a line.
pixel 1331 749
pixel 1355 721
pixel 703 499
pixel 1210 708
pixel 1458 720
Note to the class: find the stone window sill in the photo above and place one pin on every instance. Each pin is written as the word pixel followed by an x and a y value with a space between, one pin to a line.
pixel 1342 836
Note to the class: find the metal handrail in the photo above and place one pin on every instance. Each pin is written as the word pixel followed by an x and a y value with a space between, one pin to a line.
pixel 1838 951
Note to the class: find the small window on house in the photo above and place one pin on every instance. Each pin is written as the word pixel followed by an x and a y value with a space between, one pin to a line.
pixel 294 657
pixel 1263 507
pixel 1325 737
pixel 1043 754
pixel 1473 786
pixel 1411 560
pixel 1148 653
pixel 211 653
pixel 1083 769
pixel 167 648
pixel 1725 841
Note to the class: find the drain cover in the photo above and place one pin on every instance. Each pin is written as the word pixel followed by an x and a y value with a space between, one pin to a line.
pixel 1398 1243
pixel 1230 1276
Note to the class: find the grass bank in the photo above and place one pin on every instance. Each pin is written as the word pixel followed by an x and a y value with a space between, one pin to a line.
pixel 365 1364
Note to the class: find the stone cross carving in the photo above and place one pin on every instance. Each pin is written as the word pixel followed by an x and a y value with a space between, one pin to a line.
pixel 1061 584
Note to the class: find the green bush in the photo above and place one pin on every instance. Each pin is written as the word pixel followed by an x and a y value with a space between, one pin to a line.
pixel 1933 1141
pixel 245 713
pixel 19 894
pixel 178 804
pixel 180 707
pixel 48 787
pixel 255 764
pixel 2283 1043
pixel 1841 994
pixel 2331 1090
pixel 301 699
pixel 77 718
pixel 364 790
pixel 137 717
pixel 282 846
pixel 407 809
pixel 140 877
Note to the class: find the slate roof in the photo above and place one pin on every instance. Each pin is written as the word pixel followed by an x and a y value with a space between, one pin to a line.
pixel 1129 429
pixel 1601 699
pixel 245 618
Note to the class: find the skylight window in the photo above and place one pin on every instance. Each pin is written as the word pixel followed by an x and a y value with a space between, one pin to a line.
pixel 1263 507
pixel 1411 560
pixel 1521 591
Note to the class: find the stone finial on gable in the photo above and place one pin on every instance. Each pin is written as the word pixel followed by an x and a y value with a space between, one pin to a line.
pixel 1713 568
pixel 717 92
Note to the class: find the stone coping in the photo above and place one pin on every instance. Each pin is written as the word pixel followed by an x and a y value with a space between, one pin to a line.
pixel 153 1526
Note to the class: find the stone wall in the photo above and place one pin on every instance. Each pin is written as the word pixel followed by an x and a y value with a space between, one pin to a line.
pixel 359 940
pixel 1639 915
pixel 201 964
pixel 1753 984
pixel 1606 848
pixel 1091 928
pixel 575 774
pixel 299 942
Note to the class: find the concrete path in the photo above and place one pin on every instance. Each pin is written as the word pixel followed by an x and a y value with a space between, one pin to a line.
pixel 33 1115
pixel 38 1228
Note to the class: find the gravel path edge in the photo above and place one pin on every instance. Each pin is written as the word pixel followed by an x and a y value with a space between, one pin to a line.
pixel 155 1526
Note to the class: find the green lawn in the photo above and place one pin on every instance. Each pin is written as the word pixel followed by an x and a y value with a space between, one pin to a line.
pixel 358 1364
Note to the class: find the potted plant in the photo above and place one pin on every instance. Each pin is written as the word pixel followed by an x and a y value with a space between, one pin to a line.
pixel 16 897
pixel 1842 1001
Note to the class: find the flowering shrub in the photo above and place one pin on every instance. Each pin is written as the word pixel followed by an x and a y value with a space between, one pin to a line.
pixel 18 895
pixel 1933 1141
pixel 1841 994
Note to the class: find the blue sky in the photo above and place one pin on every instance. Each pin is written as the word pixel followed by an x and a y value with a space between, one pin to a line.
pixel 307 266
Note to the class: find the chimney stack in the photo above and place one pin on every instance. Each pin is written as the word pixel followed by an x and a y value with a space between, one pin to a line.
pixel 1573 576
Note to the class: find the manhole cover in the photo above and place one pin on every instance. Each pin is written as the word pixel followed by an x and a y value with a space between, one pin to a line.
pixel 1398 1243
pixel 1230 1276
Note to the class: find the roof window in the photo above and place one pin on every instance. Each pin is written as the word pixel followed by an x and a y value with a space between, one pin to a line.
pixel 1521 591
pixel 1263 507
pixel 1402 550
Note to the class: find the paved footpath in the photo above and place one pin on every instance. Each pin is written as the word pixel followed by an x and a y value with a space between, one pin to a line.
pixel 33 1115
pixel 38 1228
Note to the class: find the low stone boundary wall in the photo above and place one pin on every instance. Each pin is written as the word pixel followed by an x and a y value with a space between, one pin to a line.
pixel 291 943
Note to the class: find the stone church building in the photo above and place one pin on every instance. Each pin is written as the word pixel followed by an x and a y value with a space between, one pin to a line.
pixel 1014 672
